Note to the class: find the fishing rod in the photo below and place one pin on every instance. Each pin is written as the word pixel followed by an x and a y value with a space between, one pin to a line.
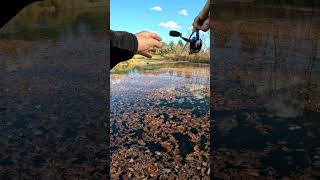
pixel 204 12
pixel 195 42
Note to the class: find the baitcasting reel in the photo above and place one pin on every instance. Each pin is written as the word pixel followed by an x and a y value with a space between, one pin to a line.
pixel 195 42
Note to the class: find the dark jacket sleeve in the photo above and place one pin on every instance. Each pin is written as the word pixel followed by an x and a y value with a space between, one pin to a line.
pixel 123 46
pixel 10 8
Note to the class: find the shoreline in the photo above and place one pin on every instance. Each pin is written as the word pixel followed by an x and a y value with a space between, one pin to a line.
pixel 141 62
pixel 157 59
pixel 148 64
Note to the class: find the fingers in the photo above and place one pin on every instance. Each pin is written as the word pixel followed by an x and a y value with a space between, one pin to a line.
pixel 196 21
pixel 152 50
pixel 206 25
pixel 148 41
pixel 196 24
pixel 194 28
pixel 201 25
pixel 156 36
pixel 148 34
pixel 155 43
pixel 145 54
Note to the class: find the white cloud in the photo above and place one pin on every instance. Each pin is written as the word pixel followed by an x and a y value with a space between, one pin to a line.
pixel 170 24
pixel 156 8
pixel 183 12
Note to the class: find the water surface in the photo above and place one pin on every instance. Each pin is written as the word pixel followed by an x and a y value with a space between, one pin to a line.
pixel 266 91
pixel 159 120
pixel 52 95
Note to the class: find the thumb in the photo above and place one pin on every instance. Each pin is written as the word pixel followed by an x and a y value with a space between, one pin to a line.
pixel 145 54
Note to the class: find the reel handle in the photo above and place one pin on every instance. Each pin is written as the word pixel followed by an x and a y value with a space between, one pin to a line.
pixel 175 34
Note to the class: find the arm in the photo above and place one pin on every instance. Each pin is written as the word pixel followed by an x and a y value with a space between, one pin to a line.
pixel 10 8
pixel 123 46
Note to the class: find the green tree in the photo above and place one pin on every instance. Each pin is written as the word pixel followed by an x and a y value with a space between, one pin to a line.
pixel 164 50
pixel 180 43
pixel 172 46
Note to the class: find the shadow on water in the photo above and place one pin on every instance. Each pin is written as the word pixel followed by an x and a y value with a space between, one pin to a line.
pixel 186 145
pixel 199 107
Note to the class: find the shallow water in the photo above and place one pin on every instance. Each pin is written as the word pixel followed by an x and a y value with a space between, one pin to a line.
pixel 161 113
pixel 266 86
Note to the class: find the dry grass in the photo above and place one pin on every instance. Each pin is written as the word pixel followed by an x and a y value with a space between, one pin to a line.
pixel 200 57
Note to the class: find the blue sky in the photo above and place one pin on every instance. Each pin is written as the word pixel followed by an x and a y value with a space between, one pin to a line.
pixel 158 16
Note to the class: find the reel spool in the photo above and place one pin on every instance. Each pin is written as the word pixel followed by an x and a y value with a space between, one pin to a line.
pixel 195 42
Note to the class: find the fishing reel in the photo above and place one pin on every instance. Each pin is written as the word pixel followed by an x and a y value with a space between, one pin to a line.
pixel 195 42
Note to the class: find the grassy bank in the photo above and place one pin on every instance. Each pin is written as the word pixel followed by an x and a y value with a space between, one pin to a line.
pixel 157 61
pixel 200 57
pixel 178 52
pixel 169 58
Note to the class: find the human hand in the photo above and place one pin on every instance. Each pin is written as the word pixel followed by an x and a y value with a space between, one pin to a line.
pixel 148 41
pixel 200 24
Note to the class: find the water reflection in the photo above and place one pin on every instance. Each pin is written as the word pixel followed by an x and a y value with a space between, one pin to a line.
pixel 266 86
pixel 36 23
pixel 52 106
pixel 159 117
